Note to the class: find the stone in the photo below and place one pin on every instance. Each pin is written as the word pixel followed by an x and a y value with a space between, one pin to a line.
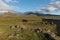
pixel 24 20
pixel 10 26
pixel 53 35
pixel 17 35
pixel 49 31
pixel 37 30
pixel 10 36
pixel 22 27
pixel 15 26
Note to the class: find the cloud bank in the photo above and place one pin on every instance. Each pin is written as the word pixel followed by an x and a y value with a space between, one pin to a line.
pixel 6 7
pixel 11 0
pixel 53 6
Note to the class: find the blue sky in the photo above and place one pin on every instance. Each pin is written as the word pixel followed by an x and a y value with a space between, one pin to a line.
pixel 52 6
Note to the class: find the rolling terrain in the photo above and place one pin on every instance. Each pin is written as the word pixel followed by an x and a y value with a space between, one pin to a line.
pixel 29 27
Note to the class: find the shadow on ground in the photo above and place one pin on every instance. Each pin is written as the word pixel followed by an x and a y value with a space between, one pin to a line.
pixel 55 21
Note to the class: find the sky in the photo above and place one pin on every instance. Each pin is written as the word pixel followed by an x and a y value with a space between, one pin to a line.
pixel 44 6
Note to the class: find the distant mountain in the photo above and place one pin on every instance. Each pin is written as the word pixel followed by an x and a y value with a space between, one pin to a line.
pixel 3 12
pixel 27 13
pixel 15 12
pixel 40 14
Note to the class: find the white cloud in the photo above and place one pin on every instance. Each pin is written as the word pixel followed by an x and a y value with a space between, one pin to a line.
pixel 51 8
pixel 4 6
pixel 15 1
pixel 54 6
pixel 8 0
pixel 57 2
pixel 11 0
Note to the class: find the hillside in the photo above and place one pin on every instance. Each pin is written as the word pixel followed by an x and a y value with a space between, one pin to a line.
pixel 26 27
